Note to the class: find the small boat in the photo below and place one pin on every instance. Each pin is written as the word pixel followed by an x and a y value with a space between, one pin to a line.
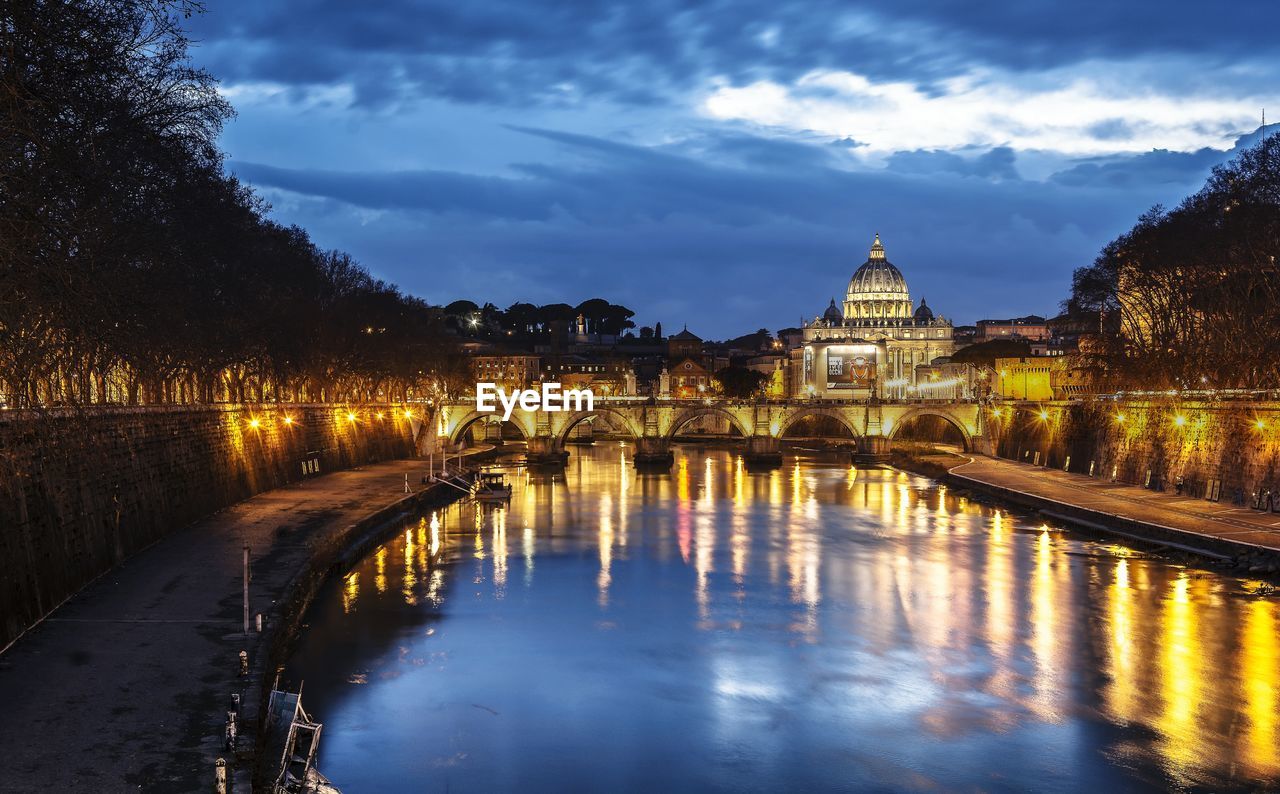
pixel 492 487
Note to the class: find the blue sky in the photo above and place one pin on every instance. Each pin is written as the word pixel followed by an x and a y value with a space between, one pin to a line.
pixel 726 164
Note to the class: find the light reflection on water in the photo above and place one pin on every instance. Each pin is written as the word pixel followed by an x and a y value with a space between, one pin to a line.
pixel 816 626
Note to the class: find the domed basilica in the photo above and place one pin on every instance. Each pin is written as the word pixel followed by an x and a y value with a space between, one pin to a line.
pixel 873 343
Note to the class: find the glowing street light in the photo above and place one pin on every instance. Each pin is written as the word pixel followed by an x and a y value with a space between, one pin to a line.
pixel 1120 418
pixel 254 423
pixel 288 420
pixel 1180 420
pixel 1044 415
pixel 351 417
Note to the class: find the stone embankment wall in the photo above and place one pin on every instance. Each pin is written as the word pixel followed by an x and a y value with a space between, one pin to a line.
pixel 82 490
pixel 1227 448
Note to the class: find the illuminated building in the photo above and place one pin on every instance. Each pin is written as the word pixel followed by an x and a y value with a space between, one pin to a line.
pixel 1026 378
pixel 1031 328
pixel 690 368
pixel 873 344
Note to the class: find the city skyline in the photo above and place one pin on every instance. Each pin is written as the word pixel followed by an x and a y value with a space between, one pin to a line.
pixel 528 153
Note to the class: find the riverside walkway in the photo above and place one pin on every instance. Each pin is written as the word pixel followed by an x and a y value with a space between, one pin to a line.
pixel 1220 529
pixel 126 686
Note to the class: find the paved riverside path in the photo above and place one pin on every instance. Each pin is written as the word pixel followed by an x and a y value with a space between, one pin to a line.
pixel 1190 518
pixel 125 686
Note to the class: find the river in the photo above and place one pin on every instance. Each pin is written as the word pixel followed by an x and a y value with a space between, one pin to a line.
pixel 816 627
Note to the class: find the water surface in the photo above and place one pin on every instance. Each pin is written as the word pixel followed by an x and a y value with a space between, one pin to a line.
pixel 818 627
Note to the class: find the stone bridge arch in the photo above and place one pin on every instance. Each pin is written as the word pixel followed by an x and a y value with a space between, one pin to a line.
pixel 796 414
pixel 521 419
pixel 684 417
pixel 966 433
pixel 623 416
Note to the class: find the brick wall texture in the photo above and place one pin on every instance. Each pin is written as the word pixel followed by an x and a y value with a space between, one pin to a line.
pixel 1233 444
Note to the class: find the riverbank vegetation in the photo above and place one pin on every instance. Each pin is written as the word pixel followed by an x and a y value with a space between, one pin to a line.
pixel 134 270
pixel 1194 292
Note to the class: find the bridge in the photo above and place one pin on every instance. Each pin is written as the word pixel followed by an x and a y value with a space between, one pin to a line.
pixel 653 424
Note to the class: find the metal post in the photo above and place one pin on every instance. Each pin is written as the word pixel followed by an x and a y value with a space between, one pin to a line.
pixel 246 588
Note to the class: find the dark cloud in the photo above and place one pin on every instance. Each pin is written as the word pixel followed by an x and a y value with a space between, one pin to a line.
pixel 715 226
pixel 997 163
pixel 1157 167
pixel 680 236
pixel 550 51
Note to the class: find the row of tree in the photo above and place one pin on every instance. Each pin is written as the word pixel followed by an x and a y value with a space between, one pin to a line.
pixel 527 320
pixel 134 270
pixel 1192 295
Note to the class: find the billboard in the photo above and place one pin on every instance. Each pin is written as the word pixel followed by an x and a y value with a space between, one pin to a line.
pixel 851 366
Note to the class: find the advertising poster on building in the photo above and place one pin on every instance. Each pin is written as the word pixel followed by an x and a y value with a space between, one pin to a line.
pixel 851 366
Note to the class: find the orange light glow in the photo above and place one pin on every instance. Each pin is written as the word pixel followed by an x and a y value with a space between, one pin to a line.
pixel 254 423
pixel 288 420
pixel 351 417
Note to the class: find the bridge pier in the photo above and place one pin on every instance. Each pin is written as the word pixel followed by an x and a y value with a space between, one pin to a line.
pixel 872 449
pixel 763 451
pixel 543 451
pixel 653 451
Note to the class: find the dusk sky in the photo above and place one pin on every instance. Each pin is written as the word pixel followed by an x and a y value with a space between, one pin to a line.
pixel 725 165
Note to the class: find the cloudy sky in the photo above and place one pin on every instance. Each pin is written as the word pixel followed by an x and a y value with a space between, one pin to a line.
pixel 725 164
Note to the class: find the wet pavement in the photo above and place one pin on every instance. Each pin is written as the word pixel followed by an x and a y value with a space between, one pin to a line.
pixel 1249 529
pixel 817 627
pixel 124 687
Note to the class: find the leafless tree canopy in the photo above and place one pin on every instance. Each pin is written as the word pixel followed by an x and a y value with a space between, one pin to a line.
pixel 133 270
pixel 1196 290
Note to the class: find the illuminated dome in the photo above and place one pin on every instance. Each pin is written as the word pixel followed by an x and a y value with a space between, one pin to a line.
pixel 877 290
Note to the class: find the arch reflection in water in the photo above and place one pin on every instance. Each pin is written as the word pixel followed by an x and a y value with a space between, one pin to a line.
pixel 804 627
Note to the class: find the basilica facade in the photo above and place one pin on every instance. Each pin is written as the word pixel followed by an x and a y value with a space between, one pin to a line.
pixel 876 343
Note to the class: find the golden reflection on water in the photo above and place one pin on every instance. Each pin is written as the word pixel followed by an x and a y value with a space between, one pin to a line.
pixel 1187 657
pixel 1260 687
pixel 350 590
pixel 1182 678
pixel 605 542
